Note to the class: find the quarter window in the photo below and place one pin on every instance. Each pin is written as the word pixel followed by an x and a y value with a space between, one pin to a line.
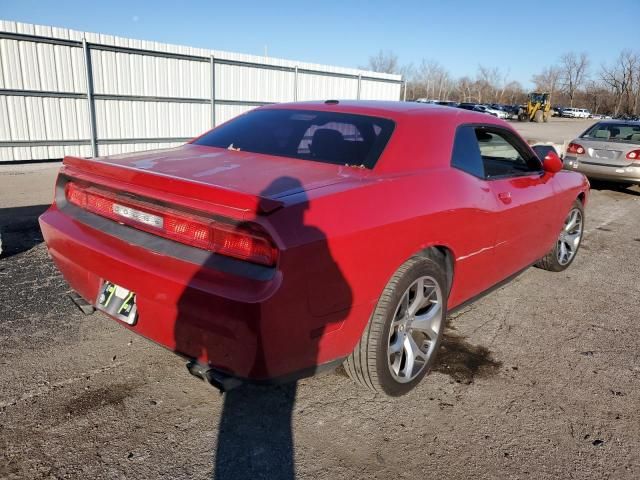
pixel 489 152
pixel 501 157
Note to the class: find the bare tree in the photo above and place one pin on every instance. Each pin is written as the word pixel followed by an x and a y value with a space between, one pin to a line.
pixel 433 80
pixel 491 84
pixel 547 80
pixel 596 94
pixel 623 81
pixel 573 73
pixel 384 62
pixel 464 88
pixel 514 93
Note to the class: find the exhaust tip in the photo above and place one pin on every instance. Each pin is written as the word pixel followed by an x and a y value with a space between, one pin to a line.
pixel 219 380
pixel 84 306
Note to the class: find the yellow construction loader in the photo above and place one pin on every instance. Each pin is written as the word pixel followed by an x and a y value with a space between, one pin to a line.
pixel 537 109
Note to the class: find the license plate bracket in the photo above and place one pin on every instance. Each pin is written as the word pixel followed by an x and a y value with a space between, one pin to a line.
pixel 118 302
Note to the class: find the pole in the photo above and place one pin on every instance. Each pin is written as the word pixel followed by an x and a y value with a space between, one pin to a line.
pixel 295 84
pixel 90 99
pixel 212 61
pixel 359 85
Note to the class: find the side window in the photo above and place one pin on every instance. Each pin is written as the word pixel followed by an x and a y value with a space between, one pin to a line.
pixel 501 157
pixel 466 154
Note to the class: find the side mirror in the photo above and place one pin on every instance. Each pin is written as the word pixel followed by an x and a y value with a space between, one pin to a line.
pixel 551 162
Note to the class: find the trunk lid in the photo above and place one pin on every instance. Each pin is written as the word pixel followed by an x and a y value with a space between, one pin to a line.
pixel 605 153
pixel 238 179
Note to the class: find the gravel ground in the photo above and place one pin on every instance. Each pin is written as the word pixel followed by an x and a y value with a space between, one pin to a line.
pixel 537 380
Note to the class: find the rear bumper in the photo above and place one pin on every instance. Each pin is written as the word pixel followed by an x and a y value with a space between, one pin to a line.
pixel 603 172
pixel 252 328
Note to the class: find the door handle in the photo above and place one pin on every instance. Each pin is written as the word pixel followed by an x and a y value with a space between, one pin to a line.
pixel 505 197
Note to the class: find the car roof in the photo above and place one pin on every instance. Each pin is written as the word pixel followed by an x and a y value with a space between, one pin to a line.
pixel 423 135
pixel 394 110
pixel 619 120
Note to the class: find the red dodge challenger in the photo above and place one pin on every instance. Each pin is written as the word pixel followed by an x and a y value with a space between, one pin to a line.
pixel 299 236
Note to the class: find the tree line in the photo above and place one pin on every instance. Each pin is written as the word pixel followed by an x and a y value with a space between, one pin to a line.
pixel 572 81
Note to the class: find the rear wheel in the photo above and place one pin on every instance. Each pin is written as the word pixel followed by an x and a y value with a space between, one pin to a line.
pixel 566 247
pixel 401 340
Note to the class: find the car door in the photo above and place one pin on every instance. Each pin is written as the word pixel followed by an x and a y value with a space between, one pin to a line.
pixel 525 226
pixel 476 217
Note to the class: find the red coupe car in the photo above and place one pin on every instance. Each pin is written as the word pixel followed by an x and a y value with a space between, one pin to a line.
pixel 299 236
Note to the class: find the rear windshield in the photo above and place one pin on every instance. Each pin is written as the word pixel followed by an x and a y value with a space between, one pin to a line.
pixel 328 137
pixel 614 132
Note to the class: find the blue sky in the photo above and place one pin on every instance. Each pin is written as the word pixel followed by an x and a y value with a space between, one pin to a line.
pixel 458 34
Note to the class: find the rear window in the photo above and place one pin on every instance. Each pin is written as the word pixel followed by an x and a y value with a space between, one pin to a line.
pixel 328 137
pixel 614 132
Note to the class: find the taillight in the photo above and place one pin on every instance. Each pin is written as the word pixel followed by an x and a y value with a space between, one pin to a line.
pixel 575 148
pixel 246 242
pixel 634 155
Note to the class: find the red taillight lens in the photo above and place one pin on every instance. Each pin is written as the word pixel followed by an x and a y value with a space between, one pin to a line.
pixel 245 244
pixel 634 155
pixel 192 231
pixel 75 194
pixel 575 149
pixel 248 242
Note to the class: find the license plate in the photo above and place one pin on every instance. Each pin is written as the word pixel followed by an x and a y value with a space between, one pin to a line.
pixel 118 302
pixel 606 154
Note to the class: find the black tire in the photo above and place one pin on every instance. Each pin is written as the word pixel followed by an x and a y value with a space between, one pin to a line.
pixel 368 364
pixel 551 260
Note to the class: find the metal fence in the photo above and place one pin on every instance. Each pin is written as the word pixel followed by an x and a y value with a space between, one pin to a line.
pixel 64 92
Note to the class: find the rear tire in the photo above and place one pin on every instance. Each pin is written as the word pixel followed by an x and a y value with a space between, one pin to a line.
pixel 565 249
pixel 400 342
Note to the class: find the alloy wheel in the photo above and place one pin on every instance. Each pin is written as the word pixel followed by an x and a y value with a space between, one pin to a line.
pixel 570 237
pixel 415 329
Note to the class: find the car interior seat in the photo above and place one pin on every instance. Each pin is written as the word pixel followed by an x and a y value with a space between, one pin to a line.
pixel 605 134
pixel 327 144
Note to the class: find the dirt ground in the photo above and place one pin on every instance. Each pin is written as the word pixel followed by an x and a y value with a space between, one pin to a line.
pixel 537 380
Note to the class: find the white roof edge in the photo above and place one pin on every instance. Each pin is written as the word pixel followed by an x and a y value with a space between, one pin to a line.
pixel 106 39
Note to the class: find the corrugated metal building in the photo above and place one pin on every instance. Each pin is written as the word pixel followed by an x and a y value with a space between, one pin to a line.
pixel 142 94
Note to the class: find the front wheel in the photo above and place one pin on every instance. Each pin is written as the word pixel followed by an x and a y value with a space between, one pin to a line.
pixel 401 340
pixel 538 116
pixel 566 247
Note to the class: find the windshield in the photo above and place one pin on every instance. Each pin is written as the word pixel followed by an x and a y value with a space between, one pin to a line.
pixel 614 132
pixel 328 137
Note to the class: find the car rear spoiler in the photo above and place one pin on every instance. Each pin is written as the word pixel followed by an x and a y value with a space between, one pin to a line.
pixel 216 194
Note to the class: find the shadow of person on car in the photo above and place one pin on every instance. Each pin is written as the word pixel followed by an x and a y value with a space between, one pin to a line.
pixel 255 438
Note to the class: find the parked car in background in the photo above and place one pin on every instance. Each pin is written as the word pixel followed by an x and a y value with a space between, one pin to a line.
pixel 475 107
pixel 575 113
pixel 446 103
pixel 229 249
pixel 507 111
pixel 493 111
pixel 608 150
